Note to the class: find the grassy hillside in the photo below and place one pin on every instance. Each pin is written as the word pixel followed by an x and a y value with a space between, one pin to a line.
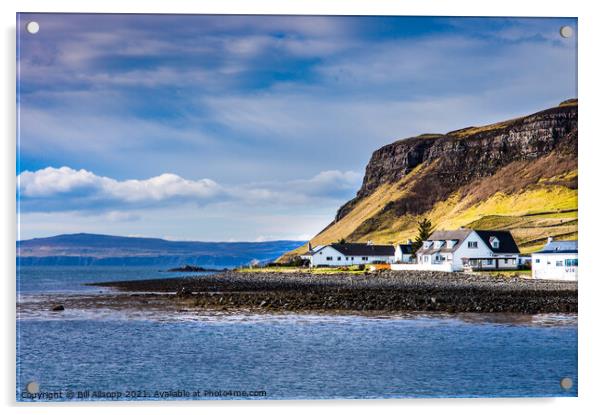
pixel 531 216
pixel 533 199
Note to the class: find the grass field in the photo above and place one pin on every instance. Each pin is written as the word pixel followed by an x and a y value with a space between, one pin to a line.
pixel 355 270
pixel 325 271
pixel 510 273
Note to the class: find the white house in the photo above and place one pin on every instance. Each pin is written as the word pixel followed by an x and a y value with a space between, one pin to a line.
pixel 403 253
pixel 346 254
pixel 557 260
pixel 464 249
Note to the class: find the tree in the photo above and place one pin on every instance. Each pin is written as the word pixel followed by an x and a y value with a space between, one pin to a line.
pixel 297 261
pixel 425 228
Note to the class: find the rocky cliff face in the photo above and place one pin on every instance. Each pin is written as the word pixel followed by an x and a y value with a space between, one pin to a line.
pixel 460 157
pixel 519 175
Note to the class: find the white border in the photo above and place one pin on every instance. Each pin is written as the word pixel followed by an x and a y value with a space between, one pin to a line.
pixel 590 96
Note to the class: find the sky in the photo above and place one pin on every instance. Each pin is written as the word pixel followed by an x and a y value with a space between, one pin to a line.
pixel 254 128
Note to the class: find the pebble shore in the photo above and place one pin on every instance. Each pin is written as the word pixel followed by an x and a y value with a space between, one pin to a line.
pixel 386 291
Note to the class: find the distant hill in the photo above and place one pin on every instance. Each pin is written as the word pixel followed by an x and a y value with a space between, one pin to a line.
pixel 519 174
pixel 91 249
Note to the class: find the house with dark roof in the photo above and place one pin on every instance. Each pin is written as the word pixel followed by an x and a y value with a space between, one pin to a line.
pixel 403 253
pixel 468 249
pixel 557 260
pixel 346 254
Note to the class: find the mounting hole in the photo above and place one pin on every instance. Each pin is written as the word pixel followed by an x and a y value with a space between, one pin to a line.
pixel 566 31
pixel 33 387
pixel 33 28
pixel 566 383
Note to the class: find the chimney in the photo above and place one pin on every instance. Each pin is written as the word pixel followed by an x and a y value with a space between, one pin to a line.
pixel 409 242
pixel 550 239
pixel 309 246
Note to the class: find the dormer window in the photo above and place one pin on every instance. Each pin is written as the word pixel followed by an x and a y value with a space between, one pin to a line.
pixel 451 243
pixel 495 242
pixel 427 244
pixel 438 244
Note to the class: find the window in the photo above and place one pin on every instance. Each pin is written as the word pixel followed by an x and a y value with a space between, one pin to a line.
pixel 537 261
pixel 321 253
pixel 496 244
pixel 505 261
pixel 352 258
pixel 558 263
pixel 571 262
pixel 328 258
pixel 472 244
pixel 346 258
pixel 490 262
pixel 338 258
pixel 364 258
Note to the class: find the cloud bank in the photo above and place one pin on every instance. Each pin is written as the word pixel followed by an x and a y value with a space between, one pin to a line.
pixel 66 189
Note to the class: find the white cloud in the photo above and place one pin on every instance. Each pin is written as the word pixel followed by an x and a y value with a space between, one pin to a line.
pixel 50 181
pixel 162 187
pixel 66 189
pixel 327 182
pixel 68 183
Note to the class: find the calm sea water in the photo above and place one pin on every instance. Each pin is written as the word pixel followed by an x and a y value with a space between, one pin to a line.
pixel 65 279
pixel 82 355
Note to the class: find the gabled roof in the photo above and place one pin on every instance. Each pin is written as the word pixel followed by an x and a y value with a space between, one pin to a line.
pixel 405 248
pixel 507 244
pixel 458 235
pixel 353 249
pixel 565 247
pixel 313 250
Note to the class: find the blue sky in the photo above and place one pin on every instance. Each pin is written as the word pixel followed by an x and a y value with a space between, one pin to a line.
pixel 252 127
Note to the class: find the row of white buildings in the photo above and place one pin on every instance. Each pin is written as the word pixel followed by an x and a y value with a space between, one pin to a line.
pixel 457 250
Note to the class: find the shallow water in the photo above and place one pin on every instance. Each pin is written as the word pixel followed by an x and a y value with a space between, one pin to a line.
pixel 66 279
pixel 195 355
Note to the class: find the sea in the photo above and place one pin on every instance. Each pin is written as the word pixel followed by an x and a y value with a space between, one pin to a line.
pixel 95 354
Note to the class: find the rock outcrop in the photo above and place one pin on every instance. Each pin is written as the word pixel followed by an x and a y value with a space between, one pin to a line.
pixel 462 156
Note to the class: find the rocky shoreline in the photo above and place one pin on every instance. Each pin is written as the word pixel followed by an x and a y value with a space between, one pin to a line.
pixel 388 291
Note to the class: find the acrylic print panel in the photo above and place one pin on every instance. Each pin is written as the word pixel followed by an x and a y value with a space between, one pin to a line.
pixel 296 207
